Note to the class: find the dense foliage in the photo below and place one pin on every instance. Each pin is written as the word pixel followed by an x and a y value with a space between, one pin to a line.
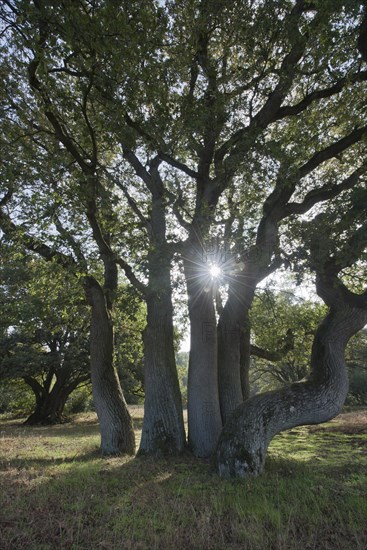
pixel 45 343
pixel 194 142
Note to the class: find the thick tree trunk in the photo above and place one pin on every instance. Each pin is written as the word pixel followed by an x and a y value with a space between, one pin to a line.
pixel 229 365
pixel 234 325
pixel 204 416
pixel 117 433
pixel 163 427
pixel 245 438
pixel 50 405
pixel 233 345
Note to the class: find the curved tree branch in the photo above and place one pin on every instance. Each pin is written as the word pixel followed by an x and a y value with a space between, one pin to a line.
pixel 276 355
pixel 33 244
pixel 323 193
pixel 245 438
pixel 292 110
pixel 131 276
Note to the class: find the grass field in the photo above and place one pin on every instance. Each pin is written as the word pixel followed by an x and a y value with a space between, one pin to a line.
pixel 56 492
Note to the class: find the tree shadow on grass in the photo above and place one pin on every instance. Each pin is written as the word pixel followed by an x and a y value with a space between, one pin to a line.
pixel 66 429
pixel 145 502
pixel 45 462
pixel 150 502
pixel 55 430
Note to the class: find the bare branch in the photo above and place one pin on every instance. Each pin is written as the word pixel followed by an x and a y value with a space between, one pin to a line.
pixel 131 276
pixel 153 141
pixel 133 204
pixel 70 240
pixel 176 202
pixel 60 131
pixel 100 239
pixel 89 125
pixel 323 193
pixel 237 144
pixel 17 234
pixel 277 355
pixel 276 203
pixel 179 165
pixel 141 171
pixel 332 150
pixel 291 110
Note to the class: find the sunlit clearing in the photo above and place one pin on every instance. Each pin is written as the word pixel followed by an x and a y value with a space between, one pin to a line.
pixel 215 271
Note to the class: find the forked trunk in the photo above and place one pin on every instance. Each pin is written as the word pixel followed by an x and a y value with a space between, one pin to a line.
pixel 117 433
pixel 50 406
pixel 204 417
pixel 245 438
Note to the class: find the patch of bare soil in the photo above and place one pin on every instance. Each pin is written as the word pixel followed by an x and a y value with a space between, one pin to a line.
pixel 348 423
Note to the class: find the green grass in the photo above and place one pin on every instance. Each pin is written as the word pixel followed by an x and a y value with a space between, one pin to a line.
pixel 56 492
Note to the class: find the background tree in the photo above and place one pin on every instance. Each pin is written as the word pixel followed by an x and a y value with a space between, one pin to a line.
pixel 43 205
pixel 280 356
pixel 129 318
pixel 283 327
pixel 356 359
pixel 45 341
pixel 45 327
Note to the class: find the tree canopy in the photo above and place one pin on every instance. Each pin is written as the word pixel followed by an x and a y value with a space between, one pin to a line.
pixel 162 139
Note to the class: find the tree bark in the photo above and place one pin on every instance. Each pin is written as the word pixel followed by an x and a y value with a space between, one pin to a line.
pixel 117 433
pixel 245 438
pixel 234 343
pixel 204 417
pixel 234 324
pixel 163 427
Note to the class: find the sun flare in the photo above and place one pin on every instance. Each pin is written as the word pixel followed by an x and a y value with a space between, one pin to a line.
pixel 215 271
